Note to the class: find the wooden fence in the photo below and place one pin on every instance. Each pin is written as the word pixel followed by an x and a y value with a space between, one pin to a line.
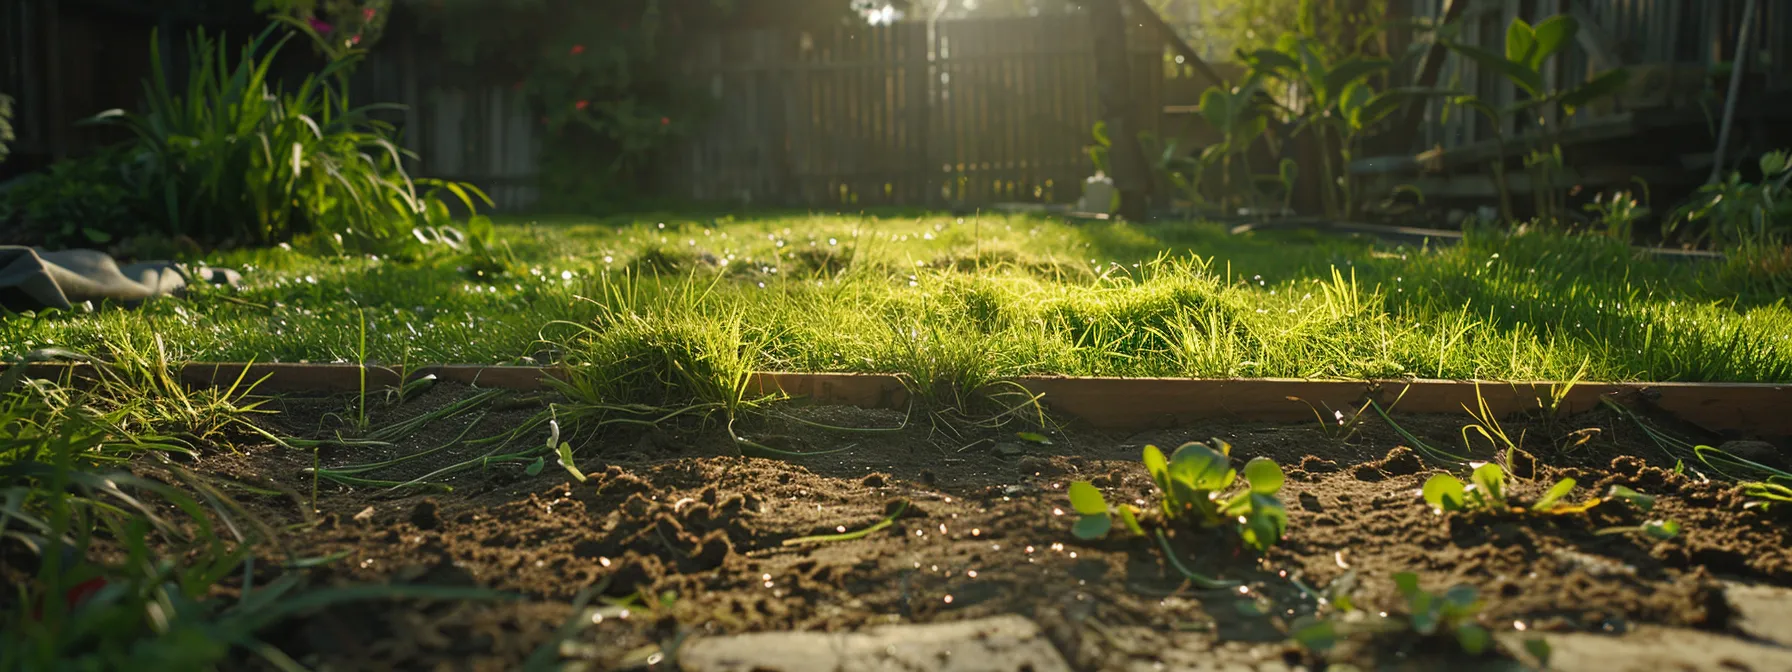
pixel 460 129
pixel 969 112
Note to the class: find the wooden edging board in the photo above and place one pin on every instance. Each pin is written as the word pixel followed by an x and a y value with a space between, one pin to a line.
pixel 1731 409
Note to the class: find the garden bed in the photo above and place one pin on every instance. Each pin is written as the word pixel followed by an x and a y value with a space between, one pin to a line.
pixel 677 542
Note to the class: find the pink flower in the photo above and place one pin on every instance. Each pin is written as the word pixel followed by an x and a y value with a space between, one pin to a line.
pixel 582 104
pixel 578 49
pixel 319 25
pixel 367 14
pixel 665 121
pixel 354 40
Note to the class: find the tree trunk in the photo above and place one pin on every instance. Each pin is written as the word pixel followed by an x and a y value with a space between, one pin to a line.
pixel 1132 177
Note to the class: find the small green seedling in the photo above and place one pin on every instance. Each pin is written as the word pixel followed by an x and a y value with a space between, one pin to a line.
pixel 1766 494
pixel 1659 529
pixel 1487 491
pixel 1192 481
pixel 1096 517
pixel 1452 612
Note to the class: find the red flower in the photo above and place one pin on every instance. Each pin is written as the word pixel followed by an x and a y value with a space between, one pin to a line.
pixel 74 597
pixel 367 14
pixel 582 104
pixel 578 49
pixel 665 121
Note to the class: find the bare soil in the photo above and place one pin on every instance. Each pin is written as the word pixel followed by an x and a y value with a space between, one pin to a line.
pixel 675 535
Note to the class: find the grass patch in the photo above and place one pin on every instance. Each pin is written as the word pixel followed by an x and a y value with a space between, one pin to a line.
pixel 956 303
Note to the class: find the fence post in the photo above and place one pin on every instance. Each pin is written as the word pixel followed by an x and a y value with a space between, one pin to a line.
pixel 1117 108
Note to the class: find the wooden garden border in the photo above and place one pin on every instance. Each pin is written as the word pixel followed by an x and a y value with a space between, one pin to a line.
pixel 1730 409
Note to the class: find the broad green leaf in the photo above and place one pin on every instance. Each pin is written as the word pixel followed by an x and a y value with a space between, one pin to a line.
pixel 1158 467
pixel 1552 35
pixel 1315 634
pixel 1264 475
pixel 1198 466
pixel 1491 479
pixel 1216 108
pixel 1461 600
pixel 1131 519
pixel 1639 500
pixel 1270 61
pixel 1407 582
pixel 1424 612
pixel 1034 437
pixel 1555 494
pixel 1473 638
pixel 1601 85
pixel 1181 496
pixel 1352 100
pixel 1773 163
pixel 95 235
pixel 1521 42
pixel 1387 102
pixel 1220 444
pixel 1538 648
pixel 1529 80
pixel 1265 524
pixel 1444 493
pixel 1086 499
pixel 1350 71
pixel 1092 527
pixel 1314 69
pixel 1662 529
pixel 534 468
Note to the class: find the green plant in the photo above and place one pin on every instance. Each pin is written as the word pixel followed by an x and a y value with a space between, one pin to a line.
pixel 1236 115
pixel 1767 494
pixel 1735 214
pixel 1488 492
pixel 1335 101
pixel 75 203
pixel 1192 483
pixel 1453 614
pixel 238 159
pixel 1616 214
pixel 1527 48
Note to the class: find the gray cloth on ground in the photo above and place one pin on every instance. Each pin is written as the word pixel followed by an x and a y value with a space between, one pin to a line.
pixel 36 279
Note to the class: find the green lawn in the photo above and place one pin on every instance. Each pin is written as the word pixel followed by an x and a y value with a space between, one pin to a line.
pixel 975 298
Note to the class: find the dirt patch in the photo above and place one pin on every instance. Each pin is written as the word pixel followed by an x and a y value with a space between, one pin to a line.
pixel 674 536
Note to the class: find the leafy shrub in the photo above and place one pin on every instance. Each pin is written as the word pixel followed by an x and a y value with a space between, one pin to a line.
pixel 76 202
pixel 239 159
pixel 1733 213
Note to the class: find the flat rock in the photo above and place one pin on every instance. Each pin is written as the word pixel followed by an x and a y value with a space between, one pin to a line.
pixel 1006 643
pixel 1762 612
pixel 1656 649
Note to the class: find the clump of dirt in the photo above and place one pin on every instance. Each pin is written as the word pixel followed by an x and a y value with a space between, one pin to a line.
pixel 1401 461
